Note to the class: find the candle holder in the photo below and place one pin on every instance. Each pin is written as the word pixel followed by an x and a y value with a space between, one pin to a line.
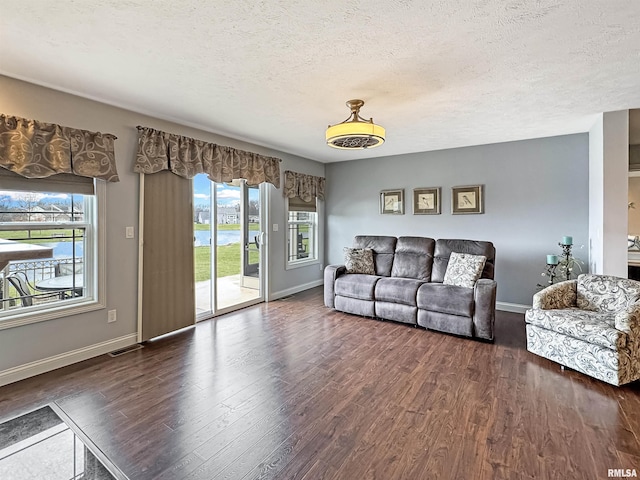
pixel 551 272
pixel 566 264
pixel 564 269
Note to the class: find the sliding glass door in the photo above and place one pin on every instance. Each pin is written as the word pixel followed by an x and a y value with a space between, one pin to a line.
pixel 228 240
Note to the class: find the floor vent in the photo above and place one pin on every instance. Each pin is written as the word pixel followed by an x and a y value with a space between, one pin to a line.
pixel 287 297
pixel 122 351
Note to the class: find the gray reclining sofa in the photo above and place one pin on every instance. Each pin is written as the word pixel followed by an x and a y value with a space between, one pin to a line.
pixel 408 285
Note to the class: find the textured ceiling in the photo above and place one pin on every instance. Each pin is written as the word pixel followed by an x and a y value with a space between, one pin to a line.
pixel 436 74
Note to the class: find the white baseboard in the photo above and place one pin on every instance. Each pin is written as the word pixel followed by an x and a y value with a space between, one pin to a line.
pixel 512 307
pixel 62 360
pixel 296 289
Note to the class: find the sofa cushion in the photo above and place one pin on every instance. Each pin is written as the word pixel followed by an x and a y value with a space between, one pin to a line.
pixel 397 312
pixel 451 299
pixel 464 269
pixel 606 294
pixel 383 249
pixel 355 306
pixel 413 258
pixel 397 290
pixel 443 250
pixel 443 322
pixel 592 327
pixel 356 285
pixel 359 260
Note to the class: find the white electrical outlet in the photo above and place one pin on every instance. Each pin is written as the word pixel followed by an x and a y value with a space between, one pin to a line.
pixel 275 227
pixel 128 232
pixel 111 316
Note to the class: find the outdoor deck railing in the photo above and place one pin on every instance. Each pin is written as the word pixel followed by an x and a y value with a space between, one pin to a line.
pixel 35 271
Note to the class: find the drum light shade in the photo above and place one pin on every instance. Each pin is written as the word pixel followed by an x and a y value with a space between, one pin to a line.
pixel 355 133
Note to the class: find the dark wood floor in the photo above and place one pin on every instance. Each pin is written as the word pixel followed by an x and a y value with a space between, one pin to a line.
pixel 291 389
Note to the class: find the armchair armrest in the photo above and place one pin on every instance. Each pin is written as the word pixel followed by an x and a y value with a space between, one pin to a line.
pixel 628 320
pixel 484 315
pixel 560 295
pixel 331 273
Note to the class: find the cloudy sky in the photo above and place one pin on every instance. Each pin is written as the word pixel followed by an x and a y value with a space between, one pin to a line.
pixel 12 197
pixel 226 195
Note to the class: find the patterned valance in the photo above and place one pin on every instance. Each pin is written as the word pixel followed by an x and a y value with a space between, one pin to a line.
pixel 306 187
pixel 187 157
pixel 34 149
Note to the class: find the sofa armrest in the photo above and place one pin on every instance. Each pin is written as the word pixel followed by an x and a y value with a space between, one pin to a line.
pixel 331 274
pixel 557 296
pixel 628 320
pixel 484 314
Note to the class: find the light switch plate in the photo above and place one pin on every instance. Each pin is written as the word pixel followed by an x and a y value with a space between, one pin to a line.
pixel 129 233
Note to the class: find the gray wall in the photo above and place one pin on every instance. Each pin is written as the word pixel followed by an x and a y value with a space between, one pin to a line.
pixel 34 342
pixel 536 191
pixel 283 282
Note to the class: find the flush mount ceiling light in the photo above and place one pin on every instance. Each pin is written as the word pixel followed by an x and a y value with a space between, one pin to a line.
pixel 355 133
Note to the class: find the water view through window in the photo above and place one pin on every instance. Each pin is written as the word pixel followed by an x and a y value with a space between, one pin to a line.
pixel 224 237
pixel 45 248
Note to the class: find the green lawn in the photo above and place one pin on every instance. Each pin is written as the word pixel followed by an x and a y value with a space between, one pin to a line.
pixel 229 260
pixel 224 226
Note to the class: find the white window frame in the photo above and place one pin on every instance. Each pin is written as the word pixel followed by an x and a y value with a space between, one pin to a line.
pixel 97 284
pixel 291 264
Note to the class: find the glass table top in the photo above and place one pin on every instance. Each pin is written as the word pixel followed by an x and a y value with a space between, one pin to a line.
pixel 46 445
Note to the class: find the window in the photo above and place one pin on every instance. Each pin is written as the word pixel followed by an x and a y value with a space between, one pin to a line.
pixel 302 232
pixel 48 247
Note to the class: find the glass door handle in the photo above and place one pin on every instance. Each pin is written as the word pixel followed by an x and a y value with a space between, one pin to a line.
pixel 258 241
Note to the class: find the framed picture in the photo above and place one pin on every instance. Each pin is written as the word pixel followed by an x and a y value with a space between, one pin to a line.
pixel 392 201
pixel 426 201
pixel 467 199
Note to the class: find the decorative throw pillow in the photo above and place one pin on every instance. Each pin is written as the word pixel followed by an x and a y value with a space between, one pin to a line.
pixel 359 260
pixel 464 269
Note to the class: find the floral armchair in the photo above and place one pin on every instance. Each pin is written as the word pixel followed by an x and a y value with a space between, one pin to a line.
pixel 591 324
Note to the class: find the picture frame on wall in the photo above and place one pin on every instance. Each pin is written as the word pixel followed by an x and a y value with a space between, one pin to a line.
pixel 392 201
pixel 426 201
pixel 467 199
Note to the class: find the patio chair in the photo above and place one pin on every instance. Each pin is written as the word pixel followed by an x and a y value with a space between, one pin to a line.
pixel 25 291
